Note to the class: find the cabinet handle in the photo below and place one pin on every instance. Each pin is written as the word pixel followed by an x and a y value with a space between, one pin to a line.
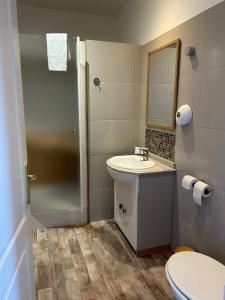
pixel 120 206
pixel 124 210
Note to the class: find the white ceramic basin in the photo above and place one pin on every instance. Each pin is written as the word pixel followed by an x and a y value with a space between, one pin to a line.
pixel 131 162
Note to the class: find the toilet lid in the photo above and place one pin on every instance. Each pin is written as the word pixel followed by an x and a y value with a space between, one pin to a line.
pixel 197 276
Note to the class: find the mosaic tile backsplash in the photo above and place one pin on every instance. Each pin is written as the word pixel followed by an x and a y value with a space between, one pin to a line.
pixel 161 143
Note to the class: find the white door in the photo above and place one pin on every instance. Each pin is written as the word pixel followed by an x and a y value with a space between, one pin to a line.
pixel 16 274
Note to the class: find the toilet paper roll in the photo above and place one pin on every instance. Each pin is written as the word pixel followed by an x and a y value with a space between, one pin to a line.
pixel 201 190
pixel 188 182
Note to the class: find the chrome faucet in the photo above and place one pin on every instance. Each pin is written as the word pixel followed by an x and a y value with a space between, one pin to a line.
pixel 144 152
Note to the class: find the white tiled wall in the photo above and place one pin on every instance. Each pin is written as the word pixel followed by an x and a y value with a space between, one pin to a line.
pixel 113 115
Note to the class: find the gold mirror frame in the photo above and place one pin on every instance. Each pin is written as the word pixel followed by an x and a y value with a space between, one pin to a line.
pixel 178 48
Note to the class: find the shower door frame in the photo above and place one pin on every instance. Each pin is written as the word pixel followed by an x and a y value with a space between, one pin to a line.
pixel 82 113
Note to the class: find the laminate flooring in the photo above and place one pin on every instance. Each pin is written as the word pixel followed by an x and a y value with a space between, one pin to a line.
pixel 95 262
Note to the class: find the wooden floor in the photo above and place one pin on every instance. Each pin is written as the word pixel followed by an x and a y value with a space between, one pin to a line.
pixel 95 262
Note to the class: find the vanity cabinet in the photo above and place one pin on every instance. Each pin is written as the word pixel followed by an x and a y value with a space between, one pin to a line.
pixel 143 208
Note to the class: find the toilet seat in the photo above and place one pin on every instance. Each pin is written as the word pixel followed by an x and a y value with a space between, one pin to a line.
pixel 196 276
pixel 176 291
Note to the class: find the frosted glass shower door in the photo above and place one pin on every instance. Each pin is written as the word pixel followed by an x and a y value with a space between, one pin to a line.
pixel 52 127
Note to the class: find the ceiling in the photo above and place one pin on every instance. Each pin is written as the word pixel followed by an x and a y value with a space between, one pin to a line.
pixel 99 7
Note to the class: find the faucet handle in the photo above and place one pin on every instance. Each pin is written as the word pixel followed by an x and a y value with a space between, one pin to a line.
pixel 145 150
pixel 138 150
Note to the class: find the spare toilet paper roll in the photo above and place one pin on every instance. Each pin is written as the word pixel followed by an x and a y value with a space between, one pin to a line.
pixel 188 182
pixel 201 189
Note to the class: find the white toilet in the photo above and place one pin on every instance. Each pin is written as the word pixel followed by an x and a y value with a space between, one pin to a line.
pixel 195 276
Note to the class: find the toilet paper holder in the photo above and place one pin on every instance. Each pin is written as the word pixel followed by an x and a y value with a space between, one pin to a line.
pixel 208 189
pixel 189 182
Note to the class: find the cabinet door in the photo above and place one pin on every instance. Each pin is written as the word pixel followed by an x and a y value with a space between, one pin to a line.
pixel 125 209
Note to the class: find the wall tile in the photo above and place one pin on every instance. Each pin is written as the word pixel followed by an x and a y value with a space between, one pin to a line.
pixel 123 137
pixel 185 148
pixel 213 218
pixel 123 98
pixel 133 136
pixel 144 62
pixel 141 140
pixel 143 101
pixel 211 106
pixel 98 174
pixel 114 101
pixel 209 159
pixel 212 249
pixel 189 92
pixel 215 39
pixel 188 235
pixel 160 143
pixel 192 35
pixel 101 204
pixel 99 55
pixel 112 137
pixel 99 102
pixel 101 137
pixel 125 63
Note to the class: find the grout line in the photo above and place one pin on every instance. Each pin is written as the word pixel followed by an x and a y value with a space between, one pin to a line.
pixel 208 239
pixel 112 120
pixel 209 128
pixel 102 188
pixel 202 70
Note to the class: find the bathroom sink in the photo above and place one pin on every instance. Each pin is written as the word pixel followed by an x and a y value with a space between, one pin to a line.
pixel 130 162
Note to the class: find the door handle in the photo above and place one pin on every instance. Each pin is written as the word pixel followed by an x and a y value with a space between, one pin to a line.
pixel 28 178
pixel 32 177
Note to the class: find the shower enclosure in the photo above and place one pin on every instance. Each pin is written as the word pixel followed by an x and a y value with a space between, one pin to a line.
pixel 55 117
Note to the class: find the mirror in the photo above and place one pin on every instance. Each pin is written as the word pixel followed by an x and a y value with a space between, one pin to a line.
pixel 163 72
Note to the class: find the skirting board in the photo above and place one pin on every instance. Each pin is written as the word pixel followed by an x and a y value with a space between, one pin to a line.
pixel 159 249
pixel 148 251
